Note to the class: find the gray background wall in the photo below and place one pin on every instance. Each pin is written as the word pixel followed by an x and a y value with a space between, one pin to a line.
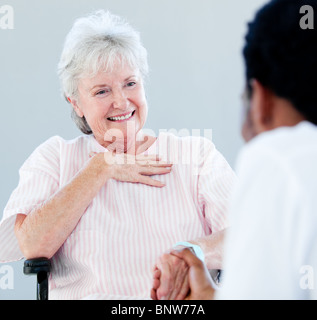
pixel 195 82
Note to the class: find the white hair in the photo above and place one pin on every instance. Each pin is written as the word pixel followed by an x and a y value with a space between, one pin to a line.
pixel 96 42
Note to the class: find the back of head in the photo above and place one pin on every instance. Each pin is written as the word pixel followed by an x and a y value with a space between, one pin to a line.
pixel 282 56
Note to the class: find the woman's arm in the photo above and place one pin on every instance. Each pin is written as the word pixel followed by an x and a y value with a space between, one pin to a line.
pixel 43 231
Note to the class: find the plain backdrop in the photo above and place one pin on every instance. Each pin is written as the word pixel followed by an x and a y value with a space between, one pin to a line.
pixel 195 82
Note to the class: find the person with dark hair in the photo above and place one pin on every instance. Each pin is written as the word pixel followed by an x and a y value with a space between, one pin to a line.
pixel 271 248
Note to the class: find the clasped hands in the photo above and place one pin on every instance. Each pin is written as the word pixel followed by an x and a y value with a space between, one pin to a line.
pixel 180 275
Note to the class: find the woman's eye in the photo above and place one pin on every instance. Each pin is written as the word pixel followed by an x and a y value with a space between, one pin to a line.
pixel 101 92
pixel 131 84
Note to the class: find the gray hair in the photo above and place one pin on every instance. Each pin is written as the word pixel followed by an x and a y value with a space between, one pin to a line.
pixel 96 42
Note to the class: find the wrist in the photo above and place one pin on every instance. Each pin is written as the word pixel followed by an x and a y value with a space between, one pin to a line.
pixel 196 249
pixel 100 167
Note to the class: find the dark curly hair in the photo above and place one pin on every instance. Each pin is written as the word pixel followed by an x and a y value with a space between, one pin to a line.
pixel 282 56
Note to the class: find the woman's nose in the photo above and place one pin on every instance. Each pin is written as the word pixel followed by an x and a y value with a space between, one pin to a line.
pixel 120 101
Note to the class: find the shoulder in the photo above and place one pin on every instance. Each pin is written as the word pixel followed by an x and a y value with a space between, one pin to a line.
pixel 197 151
pixel 281 166
pixel 192 147
pixel 187 141
pixel 285 139
pixel 287 148
pixel 51 150
pixel 57 142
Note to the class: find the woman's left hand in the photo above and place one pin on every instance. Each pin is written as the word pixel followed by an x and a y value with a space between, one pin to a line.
pixel 170 278
pixel 197 283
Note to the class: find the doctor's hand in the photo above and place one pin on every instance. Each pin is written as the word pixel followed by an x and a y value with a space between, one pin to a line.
pixel 199 279
pixel 170 278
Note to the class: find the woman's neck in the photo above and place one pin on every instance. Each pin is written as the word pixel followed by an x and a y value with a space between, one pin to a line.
pixel 135 145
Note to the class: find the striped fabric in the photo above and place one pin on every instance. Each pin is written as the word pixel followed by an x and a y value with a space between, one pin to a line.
pixel 127 226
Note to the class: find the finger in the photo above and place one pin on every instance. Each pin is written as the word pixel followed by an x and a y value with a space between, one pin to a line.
pixel 149 157
pixel 153 294
pixel 154 164
pixel 156 284
pixel 157 274
pixel 145 160
pixel 150 171
pixel 150 182
pixel 189 257
pixel 163 291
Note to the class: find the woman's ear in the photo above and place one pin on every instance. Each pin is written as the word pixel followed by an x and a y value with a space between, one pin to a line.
pixel 262 107
pixel 76 107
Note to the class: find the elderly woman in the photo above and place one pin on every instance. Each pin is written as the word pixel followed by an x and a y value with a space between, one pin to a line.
pixel 104 206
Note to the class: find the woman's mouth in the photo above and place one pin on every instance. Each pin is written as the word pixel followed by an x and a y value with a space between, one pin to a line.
pixel 123 117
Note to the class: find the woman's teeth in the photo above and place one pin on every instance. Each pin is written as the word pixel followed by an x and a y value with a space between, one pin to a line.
pixel 121 118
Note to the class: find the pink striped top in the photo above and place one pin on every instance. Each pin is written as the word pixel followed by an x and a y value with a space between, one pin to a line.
pixel 111 252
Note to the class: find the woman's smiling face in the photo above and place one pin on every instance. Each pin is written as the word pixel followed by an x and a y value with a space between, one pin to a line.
pixel 112 102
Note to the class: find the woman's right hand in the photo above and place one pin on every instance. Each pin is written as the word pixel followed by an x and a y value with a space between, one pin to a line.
pixel 135 169
pixel 42 232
